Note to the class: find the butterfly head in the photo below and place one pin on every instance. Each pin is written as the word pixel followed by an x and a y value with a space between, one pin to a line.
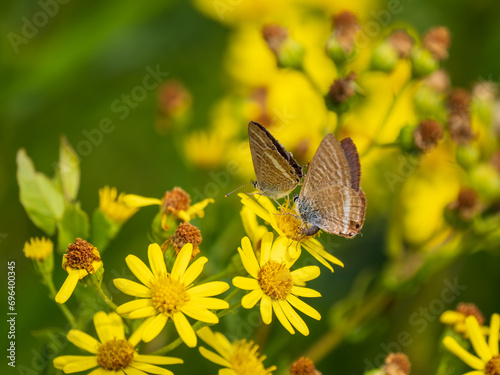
pixel 354 229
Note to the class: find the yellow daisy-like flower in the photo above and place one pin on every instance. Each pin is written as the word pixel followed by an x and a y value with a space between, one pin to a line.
pixel 80 260
pixel 238 358
pixel 456 318
pixel 175 202
pixel 112 353
pixel 287 224
pixel 38 248
pixel 113 205
pixel 487 361
pixel 170 295
pixel 274 285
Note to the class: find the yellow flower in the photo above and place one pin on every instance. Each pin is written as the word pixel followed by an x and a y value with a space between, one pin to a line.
pixel 81 259
pixel 287 225
pixel 487 361
pixel 252 228
pixel 274 285
pixel 175 202
pixel 239 357
pixel 171 295
pixel 456 318
pixel 38 248
pixel 113 205
pixel 204 149
pixel 112 353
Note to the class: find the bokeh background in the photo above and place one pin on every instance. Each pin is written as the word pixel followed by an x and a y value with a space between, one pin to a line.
pixel 65 79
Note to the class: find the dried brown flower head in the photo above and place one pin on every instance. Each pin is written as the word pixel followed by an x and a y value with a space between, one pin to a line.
pixel 80 255
pixel 466 205
pixel 427 135
pixel 437 42
pixel 346 26
pixel 187 233
pixel 438 81
pixel 470 309
pixel 402 43
pixel 175 200
pixel 397 364
pixel 303 366
pixel 275 36
pixel 342 89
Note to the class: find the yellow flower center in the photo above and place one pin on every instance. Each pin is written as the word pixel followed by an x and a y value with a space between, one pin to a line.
pixel 288 221
pixel 115 355
pixel 245 360
pixel 168 295
pixel 275 280
pixel 493 366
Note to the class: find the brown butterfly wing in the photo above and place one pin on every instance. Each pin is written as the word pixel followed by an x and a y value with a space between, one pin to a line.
pixel 277 177
pixel 329 166
pixel 352 156
pixel 259 143
pixel 335 209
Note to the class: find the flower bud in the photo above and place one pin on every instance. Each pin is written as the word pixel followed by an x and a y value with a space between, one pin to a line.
pixel 340 45
pixel 341 91
pixel 427 135
pixel 459 121
pixel 384 57
pixel 467 156
pixel 289 53
pixel 396 364
pixel 303 366
pixel 406 138
pixel 402 43
pixel 437 42
pixel 423 63
pixel 485 179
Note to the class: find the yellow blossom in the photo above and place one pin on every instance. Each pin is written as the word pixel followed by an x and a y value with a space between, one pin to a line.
pixel 274 285
pixel 38 248
pixel 167 295
pixel 112 353
pixel 238 358
pixel 113 205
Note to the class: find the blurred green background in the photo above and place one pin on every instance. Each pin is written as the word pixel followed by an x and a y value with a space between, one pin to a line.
pixel 64 80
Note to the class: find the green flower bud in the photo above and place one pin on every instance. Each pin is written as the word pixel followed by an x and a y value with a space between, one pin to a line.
pixel 467 156
pixel 291 55
pixel 384 58
pixel 485 179
pixel 407 138
pixel 336 52
pixel 423 63
pixel 428 102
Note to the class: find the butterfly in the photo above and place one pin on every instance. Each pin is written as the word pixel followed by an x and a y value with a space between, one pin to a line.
pixel 331 198
pixel 276 170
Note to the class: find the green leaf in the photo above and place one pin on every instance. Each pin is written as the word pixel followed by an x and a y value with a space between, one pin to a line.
pixel 43 202
pixel 103 230
pixel 68 170
pixel 74 224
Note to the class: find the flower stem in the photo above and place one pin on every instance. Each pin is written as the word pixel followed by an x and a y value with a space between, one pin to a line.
pixel 97 286
pixel 313 83
pixel 47 280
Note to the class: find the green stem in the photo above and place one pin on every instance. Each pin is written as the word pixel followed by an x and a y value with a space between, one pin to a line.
pixel 313 83
pixel 47 280
pixel 97 286
pixel 386 117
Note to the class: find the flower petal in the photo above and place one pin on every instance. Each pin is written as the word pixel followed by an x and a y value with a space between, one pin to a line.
pixel 82 364
pixel 209 303
pixel 250 299
pixel 83 341
pixel 156 260
pixel 493 340
pixel 182 261
pixel 209 289
pixel 150 369
pixel 266 309
pixel 193 271
pixel 131 371
pixel 451 317
pixel 282 317
pixel 154 327
pixel 68 286
pixel 133 200
pixel 279 249
pixel 265 247
pixel 305 274
pixel 303 307
pixel 145 312
pixel 203 315
pixel 212 357
pixel 245 283
pixel 157 359
pixel 140 270
pixel 317 251
pixel 135 304
pixel 248 258
pixel 108 327
pixel 305 292
pixel 477 339
pixel 60 362
pixel 132 288
pixel 474 362
pixel 184 329
pixel 294 318
pixel 255 207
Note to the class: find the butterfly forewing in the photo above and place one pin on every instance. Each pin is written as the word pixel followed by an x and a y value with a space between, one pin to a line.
pixel 276 171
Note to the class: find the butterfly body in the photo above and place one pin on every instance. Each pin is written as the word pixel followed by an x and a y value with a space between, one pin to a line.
pixel 331 198
pixel 276 170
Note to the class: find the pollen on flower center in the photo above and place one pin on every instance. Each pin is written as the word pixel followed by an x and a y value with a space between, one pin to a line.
pixel 175 200
pixel 115 355
pixel 168 295
pixel 244 359
pixel 289 223
pixel 80 255
pixel 275 280
pixel 493 366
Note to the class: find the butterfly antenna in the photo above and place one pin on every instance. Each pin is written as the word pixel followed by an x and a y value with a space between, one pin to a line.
pixel 228 194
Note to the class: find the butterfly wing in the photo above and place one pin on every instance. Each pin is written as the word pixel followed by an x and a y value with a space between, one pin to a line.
pixel 277 177
pixel 271 161
pixel 335 209
pixel 329 166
